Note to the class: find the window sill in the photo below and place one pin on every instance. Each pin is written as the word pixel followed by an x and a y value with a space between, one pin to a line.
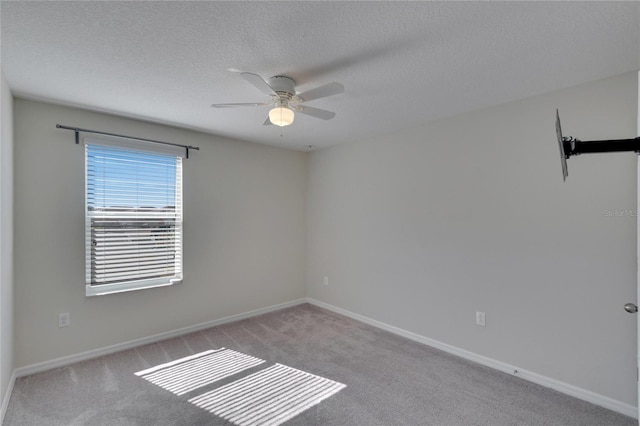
pixel 100 290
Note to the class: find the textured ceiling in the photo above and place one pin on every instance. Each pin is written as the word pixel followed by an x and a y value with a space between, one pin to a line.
pixel 402 64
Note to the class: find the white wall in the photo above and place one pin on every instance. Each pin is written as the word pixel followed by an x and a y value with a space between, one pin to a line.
pixel 422 228
pixel 244 235
pixel 6 237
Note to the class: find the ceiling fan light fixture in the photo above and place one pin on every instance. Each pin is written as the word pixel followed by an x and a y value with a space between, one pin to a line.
pixel 281 116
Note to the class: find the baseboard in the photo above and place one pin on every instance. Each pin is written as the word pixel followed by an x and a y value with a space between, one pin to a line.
pixel 83 356
pixel 7 396
pixel 585 395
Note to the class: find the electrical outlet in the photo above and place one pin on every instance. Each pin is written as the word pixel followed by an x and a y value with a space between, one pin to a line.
pixel 480 318
pixel 326 281
pixel 64 320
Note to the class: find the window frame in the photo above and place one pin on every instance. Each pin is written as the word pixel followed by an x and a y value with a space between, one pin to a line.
pixel 92 289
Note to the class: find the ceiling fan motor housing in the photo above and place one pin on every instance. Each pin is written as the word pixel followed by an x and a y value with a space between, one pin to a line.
pixel 283 86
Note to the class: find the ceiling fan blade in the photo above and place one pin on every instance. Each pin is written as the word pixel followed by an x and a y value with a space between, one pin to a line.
pixel 259 83
pixel 267 122
pixel 237 105
pixel 316 112
pixel 322 92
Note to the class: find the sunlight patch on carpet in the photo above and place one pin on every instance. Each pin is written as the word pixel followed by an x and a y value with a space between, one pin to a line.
pixel 268 397
pixel 187 374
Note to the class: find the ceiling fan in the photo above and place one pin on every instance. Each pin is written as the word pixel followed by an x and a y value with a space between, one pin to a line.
pixel 285 100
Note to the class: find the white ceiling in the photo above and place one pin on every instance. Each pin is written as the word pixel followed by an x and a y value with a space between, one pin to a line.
pixel 402 64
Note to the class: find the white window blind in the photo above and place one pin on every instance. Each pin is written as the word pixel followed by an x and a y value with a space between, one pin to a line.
pixel 133 218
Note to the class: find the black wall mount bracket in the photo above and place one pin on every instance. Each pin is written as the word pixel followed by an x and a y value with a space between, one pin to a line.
pixel 570 146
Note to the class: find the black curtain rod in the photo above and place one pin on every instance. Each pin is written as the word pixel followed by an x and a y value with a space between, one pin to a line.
pixel 78 130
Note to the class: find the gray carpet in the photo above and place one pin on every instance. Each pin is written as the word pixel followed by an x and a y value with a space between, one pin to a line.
pixel 388 380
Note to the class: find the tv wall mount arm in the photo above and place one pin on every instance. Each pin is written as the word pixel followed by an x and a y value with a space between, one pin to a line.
pixel 570 146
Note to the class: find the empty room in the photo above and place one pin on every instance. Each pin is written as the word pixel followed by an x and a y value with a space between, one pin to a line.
pixel 319 213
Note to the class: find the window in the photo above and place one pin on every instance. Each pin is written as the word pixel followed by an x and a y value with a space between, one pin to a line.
pixel 133 216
